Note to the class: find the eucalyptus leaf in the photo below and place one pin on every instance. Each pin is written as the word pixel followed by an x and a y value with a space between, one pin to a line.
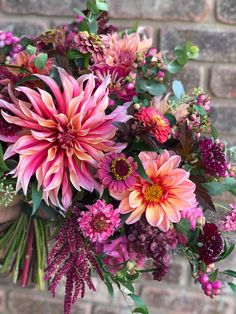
pixel 200 110
pixel 178 89
pixel 152 87
pixel 102 5
pixel 40 60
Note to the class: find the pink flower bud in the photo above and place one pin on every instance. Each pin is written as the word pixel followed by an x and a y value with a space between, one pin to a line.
pixel 130 86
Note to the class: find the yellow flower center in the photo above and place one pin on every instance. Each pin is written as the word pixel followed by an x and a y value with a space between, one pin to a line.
pixel 153 193
pixel 120 169
pixel 159 120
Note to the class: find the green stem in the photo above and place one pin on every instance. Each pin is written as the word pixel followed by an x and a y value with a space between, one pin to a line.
pixel 86 60
pixel 222 206
pixel 40 243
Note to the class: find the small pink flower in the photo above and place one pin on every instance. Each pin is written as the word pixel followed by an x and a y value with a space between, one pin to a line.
pixel 100 222
pixel 117 254
pixel 117 172
pixel 155 123
pixel 229 224
pixel 192 214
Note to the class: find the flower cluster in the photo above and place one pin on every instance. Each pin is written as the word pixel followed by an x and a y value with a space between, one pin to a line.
pixel 99 140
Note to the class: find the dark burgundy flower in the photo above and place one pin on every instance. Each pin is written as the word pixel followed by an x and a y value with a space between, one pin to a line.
pixel 153 243
pixel 212 243
pixel 213 158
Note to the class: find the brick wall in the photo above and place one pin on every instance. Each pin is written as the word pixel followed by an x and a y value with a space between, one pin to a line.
pixel 211 24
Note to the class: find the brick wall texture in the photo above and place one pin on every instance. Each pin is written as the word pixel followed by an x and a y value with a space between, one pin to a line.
pixel 211 24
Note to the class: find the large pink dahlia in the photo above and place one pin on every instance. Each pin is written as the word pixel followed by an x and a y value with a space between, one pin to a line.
pixel 168 192
pixel 65 135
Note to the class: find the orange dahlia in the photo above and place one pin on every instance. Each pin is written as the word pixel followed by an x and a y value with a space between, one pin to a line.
pixel 167 192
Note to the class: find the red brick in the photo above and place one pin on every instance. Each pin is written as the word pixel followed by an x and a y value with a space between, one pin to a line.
pixel 2 301
pixel 181 301
pixel 191 76
pixel 25 28
pixel 215 45
pixel 28 302
pixel 226 11
pixel 178 10
pixel 224 118
pixel 42 7
pixel 223 78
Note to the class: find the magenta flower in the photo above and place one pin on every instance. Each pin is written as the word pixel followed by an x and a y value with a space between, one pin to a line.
pixel 100 222
pixel 117 172
pixel 118 253
pixel 229 224
pixel 192 214
pixel 64 135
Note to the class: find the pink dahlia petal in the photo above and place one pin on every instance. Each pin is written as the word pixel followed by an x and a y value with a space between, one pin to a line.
pixel 65 133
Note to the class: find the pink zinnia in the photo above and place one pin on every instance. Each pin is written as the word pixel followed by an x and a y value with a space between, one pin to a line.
pixel 163 197
pixel 155 123
pixel 229 224
pixel 100 222
pixel 117 172
pixel 65 135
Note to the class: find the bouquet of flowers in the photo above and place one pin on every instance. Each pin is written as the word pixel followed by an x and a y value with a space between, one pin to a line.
pixel 107 166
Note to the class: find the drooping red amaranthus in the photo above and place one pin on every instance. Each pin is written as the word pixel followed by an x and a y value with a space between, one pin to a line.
pixel 71 258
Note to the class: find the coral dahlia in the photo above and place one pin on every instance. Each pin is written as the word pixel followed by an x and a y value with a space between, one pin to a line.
pixel 64 136
pixel 168 192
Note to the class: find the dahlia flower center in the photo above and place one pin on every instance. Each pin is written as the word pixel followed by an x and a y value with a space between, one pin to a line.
pixel 121 169
pixel 99 223
pixel 153 193
pixel 66 139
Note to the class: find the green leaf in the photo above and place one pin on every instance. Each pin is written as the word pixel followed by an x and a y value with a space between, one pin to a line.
pixel 171 118
pixel 26 79
pixel 25 41
pixel 3 166
pixel 174 67
pixel 152 87
pixel 36 198
pixel 132 277
pixel 93 26
pixel 227 251
pixel 102 5
pixel 78 11
pixel 217 188
pixel 128 285
pixel 140 305
pixel 178 89
pixel 92 6
pixel 183 226
pixel 230 273
pixel 213 276
pixel 141 170
pixel 40 60
pixel 200 110
pixel 109 285
pixel 232 286
pixel 31 49
pixel 72 55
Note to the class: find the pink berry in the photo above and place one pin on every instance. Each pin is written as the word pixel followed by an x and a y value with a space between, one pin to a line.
pixel 207 286
pixel 130 86
pixel 207 107
pixel 203 279
pixel 161 74
pixel 216 285
pixel 216 291
pixel 201 98
pixel 208 293
pixel 193 117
